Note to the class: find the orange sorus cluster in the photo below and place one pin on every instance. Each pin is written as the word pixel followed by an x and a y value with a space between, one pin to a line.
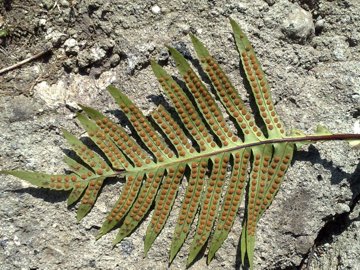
pixel 145 197
pixel 146 132
pixel 276 173
pixel 90 158
pixel 166 198
pixel 208 106
pixel 188 114
pixel 92 191
pixel 132 150
pixel 262 195
pixel 126 199
pixel 64 181
pixel 173 131
pixel 256 190
pixel 260 89
pixel 211 198
pixel 234 192
pixel 192 198
pixel 230 97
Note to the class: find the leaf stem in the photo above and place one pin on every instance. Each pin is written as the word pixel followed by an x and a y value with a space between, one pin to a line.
pixel 312 138
pixel 306 138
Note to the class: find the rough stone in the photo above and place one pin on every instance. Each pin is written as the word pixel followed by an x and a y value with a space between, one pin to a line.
pixel 53 96
pixel 270 2
pixel 47 4
pixel 64 3
pixel 319 24
pixel 155 9
pixel 71 46
pixel 298 25
pixel 340 253
pixel 163 55
pixel 55 37
pixel 90 56
pixel 114 60
pixel 341 50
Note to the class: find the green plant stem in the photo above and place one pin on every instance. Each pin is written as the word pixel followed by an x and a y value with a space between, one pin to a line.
pixel 308 138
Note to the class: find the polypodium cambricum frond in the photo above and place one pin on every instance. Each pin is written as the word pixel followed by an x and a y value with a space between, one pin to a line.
pixel 201 151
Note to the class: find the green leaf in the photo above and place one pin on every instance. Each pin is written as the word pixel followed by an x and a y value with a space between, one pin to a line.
pixel 89 198
pixel 193 148
pixel 209 204
pixel 92 159
pixel 258 83
pixel 227 93
pixel 123 204
pixel 193 122
pixel 189 205
pixel 231 201
pixel 164 202
pixel 141 205
pixel 57 182
pixel 204 101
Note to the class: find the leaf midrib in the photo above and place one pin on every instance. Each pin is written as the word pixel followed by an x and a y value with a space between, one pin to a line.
pixel 232 148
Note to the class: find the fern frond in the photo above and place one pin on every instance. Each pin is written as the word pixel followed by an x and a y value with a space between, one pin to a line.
pixel 227 94
pixel 163 204
pixel 231 201
pixel 258 82
pixel 194 147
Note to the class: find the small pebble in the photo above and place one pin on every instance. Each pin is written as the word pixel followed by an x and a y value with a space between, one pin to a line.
pixel 270 2
pixel 114 60
pixel 71 46
pixel 155 9
pixel 341 208
pixel 298 25
pixel 163 55
pixel 319 25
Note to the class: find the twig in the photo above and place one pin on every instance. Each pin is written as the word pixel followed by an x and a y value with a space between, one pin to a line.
pixel 4 70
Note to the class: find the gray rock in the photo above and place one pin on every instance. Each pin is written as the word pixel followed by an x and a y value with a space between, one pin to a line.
pixel 163 55
pixel 319 24
pixel 95 72
pixel 155 9
pixel 69 64
pixel 64 3
pixel 270 2
pixel 97 54
pixel 341 253
pixel 90 56
pixel 42 23
pixel 55 37
pixel 298 25
pixel 107 44
pixel 47 4
pixel 354 39
pixel 71 46
pixel 114 60
pixel 341 50
pixel 341 208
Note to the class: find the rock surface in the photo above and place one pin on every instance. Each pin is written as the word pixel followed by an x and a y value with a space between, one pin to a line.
pixel 314 220
pixel 299 25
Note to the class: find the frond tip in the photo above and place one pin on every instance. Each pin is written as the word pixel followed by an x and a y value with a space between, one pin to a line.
pixel 194 149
